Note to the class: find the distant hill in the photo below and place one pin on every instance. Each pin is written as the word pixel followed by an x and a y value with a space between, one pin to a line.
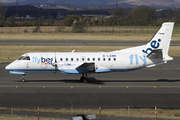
pixel 153 3
pixel 93 3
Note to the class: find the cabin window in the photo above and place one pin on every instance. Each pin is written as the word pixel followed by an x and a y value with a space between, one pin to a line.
pixel 66 59
pixel 114 59
pixel 88 59
pixel 98 59
pixel 20 58
pixel 82 59
pixel 26 58
pixel 93 59
pixel 104 59
pixel 77 59
pixel 71 59
pixel 61 59
pixel 109 59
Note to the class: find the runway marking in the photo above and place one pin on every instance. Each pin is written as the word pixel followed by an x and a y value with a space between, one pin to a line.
pixel 90 87
pixel 163 68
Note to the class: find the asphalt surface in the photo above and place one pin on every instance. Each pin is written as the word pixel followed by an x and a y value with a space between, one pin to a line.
pixel 78 43
pixel 141 88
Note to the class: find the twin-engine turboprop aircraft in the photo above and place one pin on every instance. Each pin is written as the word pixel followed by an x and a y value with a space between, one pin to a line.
pixel 153 53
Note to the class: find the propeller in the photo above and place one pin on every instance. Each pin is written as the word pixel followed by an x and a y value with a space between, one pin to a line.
pixel 55 64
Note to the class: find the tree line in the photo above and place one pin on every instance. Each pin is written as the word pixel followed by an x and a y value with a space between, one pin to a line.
pixel 140 16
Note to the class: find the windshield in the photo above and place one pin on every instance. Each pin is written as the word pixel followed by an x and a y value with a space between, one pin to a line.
pixel 24 58
pixel 20 58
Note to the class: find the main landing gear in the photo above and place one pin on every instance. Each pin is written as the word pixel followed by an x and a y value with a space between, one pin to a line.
pixel 23 78
pixel 84 78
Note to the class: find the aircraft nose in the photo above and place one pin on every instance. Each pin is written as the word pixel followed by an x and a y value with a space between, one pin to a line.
pixel 8 67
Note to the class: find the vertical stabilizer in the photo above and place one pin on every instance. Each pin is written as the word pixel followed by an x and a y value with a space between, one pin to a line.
pixel 161 40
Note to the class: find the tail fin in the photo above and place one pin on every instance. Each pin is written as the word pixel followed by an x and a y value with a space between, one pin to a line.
pixel 161 41
pixel 158 46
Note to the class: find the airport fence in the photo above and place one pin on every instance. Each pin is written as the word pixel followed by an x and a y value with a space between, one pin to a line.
pixel 99 29
pixel 154 113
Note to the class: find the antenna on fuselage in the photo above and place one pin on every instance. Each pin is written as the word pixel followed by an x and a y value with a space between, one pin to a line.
pixel 72 51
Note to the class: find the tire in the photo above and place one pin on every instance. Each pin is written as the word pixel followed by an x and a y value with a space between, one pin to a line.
pixel 23 80
pixel 86 80
pixel 82 78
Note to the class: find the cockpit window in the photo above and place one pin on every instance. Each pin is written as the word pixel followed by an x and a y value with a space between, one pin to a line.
pixel 20 58
pixel 26 58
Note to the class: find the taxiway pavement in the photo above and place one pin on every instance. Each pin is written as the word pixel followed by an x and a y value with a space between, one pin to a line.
pixel 141 88
pixel 78 43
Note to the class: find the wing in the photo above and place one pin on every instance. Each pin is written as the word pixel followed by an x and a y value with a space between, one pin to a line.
pixel 88 66
pixel 75 67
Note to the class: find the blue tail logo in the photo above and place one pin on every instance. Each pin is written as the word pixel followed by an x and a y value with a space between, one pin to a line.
pixel 154 45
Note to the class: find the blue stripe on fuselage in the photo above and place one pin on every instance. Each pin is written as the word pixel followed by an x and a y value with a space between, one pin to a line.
pixel 70 71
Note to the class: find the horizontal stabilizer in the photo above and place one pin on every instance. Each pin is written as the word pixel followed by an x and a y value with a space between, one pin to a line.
pixel 157 64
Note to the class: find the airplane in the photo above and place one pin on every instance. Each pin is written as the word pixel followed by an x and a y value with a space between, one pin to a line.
pixel 151 54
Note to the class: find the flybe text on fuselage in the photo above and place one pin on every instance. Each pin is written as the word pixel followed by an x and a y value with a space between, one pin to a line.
pixel 131 57
pixel 43 61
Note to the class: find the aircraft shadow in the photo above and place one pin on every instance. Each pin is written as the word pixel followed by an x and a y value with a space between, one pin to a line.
pixel 159 80
pixel 92 80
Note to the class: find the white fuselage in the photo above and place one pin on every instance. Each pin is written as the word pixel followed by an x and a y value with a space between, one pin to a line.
pixel 69 62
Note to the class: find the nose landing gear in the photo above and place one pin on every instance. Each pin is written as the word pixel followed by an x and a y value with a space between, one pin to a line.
pixel 23 78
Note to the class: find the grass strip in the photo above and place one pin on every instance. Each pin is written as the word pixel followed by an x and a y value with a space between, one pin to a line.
pixel 18 117
pixel 169 114
pixel 82 36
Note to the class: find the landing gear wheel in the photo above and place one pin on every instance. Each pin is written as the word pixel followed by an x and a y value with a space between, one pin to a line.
pixel 22 78
pixel 86 80
pixel 82 78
